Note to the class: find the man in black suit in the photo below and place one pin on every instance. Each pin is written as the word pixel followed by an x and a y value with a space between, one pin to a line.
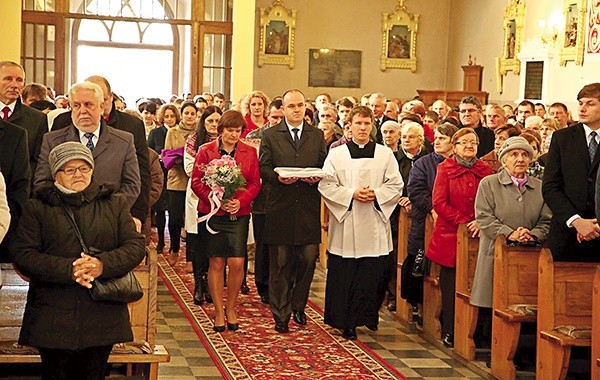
pixel 292 225
pixel 569 183
pixel 14 165
pixel 470 111
pixel 12 81
pixel 377 103
pixel 121 120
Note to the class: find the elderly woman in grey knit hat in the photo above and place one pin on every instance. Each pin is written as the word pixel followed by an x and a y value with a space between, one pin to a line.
pixel 508 203
pixel 73 333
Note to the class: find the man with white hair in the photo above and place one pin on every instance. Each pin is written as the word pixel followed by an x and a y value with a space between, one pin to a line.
pixel 392 110
pixel 534 122
pixel 113 150
pixel 377 105
pixel 494 116
pixel 441 108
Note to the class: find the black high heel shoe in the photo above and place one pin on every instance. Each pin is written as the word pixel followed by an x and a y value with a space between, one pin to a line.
pixel 231 326
pixel 219 329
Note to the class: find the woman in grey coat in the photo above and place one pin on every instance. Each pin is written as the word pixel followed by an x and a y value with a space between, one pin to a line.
pixel 508 203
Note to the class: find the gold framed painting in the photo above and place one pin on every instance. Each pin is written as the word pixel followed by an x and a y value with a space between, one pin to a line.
pixel 277 28
pixel 572 42
pixel 514 14
pixel 399 39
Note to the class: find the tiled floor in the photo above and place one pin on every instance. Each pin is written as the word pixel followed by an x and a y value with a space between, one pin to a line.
pixel 402 348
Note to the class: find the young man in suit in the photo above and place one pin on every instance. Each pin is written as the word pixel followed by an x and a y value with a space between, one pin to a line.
pixel 292 222
pixel 569 183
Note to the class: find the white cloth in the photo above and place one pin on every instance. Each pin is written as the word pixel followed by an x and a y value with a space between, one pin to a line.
pixel 4 211
pixel 191 199
pixel 361 230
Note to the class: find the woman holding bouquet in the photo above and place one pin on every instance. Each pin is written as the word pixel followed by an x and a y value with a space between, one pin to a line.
pixel 213 180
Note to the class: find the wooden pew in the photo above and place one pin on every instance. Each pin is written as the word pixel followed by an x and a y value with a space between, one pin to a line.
pixel 515 283
pixel 142 316
pixel 403 308
pixel 432 296
pixel 564 298
pixel 596 326
pixel 465 314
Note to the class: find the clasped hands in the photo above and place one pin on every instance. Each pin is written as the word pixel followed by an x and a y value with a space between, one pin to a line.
pixel 231 206
pixel 587 229
pixel 86 269
pixel 522 235
pixel 290 180
pixel 364 194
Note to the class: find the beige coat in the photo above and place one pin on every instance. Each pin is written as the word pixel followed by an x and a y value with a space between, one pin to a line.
pixel 499 209
pixel 177 179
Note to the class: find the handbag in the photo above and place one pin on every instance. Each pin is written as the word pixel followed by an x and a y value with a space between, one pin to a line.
pixel 170 156
pixel 123 289
pixel 421 264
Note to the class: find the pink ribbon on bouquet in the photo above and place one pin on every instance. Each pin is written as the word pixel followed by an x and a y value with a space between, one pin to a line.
pixel 215 198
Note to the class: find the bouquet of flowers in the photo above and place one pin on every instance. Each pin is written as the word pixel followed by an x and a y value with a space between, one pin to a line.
pixel 224 177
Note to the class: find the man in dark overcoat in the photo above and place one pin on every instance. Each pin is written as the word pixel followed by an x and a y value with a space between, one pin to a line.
pixel 292 226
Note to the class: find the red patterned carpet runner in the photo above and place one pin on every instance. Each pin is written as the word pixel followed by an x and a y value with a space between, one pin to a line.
pixel 256 351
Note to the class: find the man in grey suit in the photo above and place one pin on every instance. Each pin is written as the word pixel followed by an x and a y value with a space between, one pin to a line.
pixel 292 225
pixel 114 152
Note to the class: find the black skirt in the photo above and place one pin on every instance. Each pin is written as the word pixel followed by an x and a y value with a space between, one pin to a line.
pixel 231 239
pixel 353 291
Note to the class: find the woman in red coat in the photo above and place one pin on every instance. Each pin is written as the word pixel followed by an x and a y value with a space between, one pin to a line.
pixel 453 201
pixel 231 221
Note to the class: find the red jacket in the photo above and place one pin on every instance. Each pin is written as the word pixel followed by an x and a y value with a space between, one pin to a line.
pixel 453 199
pixel 245 156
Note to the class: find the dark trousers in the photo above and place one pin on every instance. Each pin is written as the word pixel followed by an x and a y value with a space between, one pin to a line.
pixel 196 253
pixel 86 364
pixel 176 209
pixel 291 272
pixel 448 289
pixel 261 255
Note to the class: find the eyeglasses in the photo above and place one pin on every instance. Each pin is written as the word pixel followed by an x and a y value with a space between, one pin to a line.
pixel 465 143
pixel 71 171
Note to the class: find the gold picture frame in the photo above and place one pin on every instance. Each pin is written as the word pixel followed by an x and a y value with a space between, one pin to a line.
pixel 514 14
pixel 277 28
pixel 399 39
pixel 572 42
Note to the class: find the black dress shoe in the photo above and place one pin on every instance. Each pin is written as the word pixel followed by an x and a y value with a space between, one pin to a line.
pixel 349 334
pixel 448 340
pixel 391 306
pixel 372 327
pixel 245 289
pixel 198 295
pixel 300 317
pixel 282 327
pixel 233 326
pixel 264 298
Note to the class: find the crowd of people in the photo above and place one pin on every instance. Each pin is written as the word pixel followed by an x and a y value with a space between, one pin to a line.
pixel 527 173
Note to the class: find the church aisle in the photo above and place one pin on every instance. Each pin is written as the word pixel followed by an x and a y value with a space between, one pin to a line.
pixel 410 354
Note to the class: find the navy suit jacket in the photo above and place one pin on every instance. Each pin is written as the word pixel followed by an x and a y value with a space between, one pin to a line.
pixel 568 189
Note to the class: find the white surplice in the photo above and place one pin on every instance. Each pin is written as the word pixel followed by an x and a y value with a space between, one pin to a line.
pixel 359 229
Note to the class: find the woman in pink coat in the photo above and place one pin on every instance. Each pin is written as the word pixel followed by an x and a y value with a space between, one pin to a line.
pixel 453 201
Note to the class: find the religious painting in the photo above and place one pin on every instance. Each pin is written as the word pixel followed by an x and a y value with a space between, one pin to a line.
pixel 593 40
pixel 278 35
pixel 514 14
pixel 277 27
pixel 399 39
pixel 573 38
pixel 334 68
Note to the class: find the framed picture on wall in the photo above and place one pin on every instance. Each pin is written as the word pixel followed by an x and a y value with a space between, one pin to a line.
pixel 399 39
pixel 514 14
pixel 277 28
pixel 334 68
pixel 573 39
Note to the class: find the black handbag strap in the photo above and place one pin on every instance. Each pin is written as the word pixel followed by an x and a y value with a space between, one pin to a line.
pixel 74 223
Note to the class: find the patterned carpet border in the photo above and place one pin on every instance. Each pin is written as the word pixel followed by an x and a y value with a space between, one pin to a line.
pixel 221 347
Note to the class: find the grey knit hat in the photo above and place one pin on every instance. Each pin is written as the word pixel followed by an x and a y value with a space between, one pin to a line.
pixel 512 143
pixel 67 151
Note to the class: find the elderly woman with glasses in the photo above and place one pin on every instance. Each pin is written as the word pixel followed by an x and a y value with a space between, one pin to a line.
pixel 74 333
pixel 453 200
